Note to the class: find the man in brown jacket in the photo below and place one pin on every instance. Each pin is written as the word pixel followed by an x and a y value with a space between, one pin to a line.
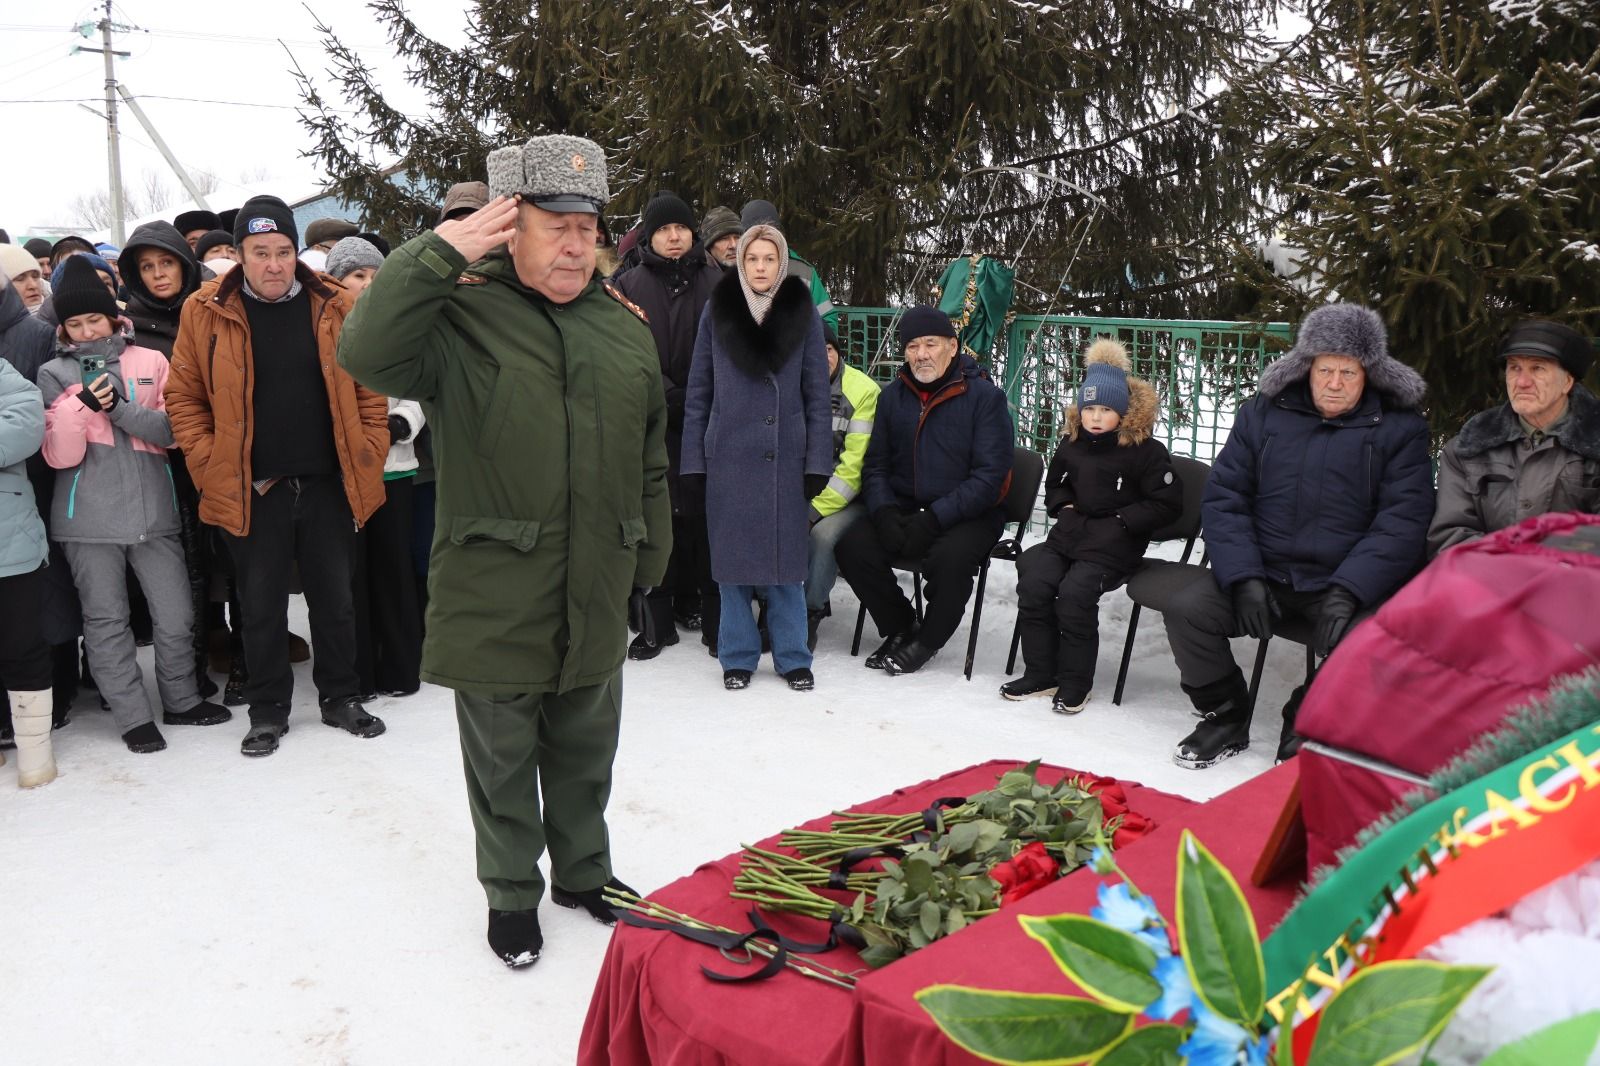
pixel 287 453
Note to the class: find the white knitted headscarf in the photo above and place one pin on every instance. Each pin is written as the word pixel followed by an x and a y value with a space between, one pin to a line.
pixel 760 303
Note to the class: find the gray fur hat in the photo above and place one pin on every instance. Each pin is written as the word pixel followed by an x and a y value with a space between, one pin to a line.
pixel 352 253
pixel 1353 330
pixel 558 173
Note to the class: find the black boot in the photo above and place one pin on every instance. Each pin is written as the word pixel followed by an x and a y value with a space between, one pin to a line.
pixel 814 619
pixel 238 677
pixel 896 641
pixel 1224 729
pixel 514 937
pixel 592 900
pixel 908 658
pixel 1289 741
pixel 660 632
pixel 144 739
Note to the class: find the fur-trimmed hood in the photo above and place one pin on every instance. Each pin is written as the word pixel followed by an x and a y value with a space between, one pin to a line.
pixel 1139 421
pixel 759 348
pixel 1356 331
pixel 1500 425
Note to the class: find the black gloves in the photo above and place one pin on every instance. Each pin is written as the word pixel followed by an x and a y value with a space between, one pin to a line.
pixel 921 530
pixel 399 430
pixel 1254 608
pixel 1333 619
pixel 890 524
pixel 692 493
pixel 92 402
pixel 815 483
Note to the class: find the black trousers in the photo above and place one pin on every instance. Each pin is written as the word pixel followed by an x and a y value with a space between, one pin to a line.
pixel 948 571
pixel 1198 617
pixel 687 586
pixel 304 520
pixel 388 626
pixel 25 660
pixel 424 504
pixel 1058 615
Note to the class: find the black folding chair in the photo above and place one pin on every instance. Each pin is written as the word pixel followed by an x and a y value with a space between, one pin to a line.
pixel 1027 471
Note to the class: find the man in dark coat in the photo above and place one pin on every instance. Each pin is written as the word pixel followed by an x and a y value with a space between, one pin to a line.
pixel 671 284
pixel 1317 507
pixel 937 469
pixel 1537 452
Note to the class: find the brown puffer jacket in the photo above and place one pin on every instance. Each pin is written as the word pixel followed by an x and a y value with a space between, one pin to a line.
pixel 210 395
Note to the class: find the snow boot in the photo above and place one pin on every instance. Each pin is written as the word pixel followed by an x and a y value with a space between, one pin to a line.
pixel 515 938
pixel 733 680
pixel 348 714
pixel 263 739
pixel 1224 729
pixel 1026 687
pixel 238 677
pixel 908 658
pixel 1289 741
pixel 30 717
pixel 876 660
pixel 1070 701
pixel 144 739
pixel 205 713
pixel 801 679
pixel 593 900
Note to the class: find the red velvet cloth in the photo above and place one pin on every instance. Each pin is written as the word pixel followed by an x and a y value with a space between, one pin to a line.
pixel 652 1005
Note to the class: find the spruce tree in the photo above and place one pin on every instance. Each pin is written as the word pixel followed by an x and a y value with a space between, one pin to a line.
pixel 857 118
pixel 1441 163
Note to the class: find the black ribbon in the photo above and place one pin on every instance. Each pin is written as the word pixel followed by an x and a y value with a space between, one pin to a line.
pixel 782 946
pixel 839 877
pixel 930 817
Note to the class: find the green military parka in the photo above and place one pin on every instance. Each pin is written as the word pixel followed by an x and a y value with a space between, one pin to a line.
pixel 549 439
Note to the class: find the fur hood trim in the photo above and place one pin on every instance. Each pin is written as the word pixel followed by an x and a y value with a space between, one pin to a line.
pixel 1489 429
pixel 1138 424
pixel 1356 331
pixel 760 348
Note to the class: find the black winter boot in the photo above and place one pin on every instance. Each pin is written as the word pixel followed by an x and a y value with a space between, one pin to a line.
pixel 814 618
pixel 1289 741
pixel 908 658
pixel 1224 729
pixel 593 900
pixel 896 641
pixel 515 938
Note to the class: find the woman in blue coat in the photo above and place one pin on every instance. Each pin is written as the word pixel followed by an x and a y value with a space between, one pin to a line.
pixel 757 441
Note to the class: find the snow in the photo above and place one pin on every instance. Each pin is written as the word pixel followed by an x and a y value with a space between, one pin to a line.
pixel 319 906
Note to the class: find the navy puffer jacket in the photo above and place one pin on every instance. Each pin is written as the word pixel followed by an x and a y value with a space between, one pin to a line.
pixel 1312 502
pixel 951 454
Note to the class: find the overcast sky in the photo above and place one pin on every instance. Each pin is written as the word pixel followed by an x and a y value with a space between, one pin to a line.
pixel 56 151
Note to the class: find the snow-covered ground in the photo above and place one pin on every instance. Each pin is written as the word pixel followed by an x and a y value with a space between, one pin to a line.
pixel 319 906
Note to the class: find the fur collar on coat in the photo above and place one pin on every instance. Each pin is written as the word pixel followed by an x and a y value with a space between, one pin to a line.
pixel 1500 425
pixel 760 348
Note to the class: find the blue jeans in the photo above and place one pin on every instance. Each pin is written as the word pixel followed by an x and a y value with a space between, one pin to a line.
pixel 824 568
pixel 739 641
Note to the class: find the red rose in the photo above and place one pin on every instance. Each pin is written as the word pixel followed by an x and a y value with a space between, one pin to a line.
pixel 1113 799
pixel 1030 870
pixel 1133 826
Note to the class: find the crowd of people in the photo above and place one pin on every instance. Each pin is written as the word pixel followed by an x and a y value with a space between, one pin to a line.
pixel 488 454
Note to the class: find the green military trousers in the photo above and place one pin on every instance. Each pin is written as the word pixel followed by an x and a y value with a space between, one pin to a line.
pixel 519 749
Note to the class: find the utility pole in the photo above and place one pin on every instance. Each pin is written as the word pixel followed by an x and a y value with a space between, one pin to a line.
pixel 113 150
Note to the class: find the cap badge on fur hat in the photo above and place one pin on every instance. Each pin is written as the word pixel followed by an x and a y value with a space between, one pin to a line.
pixel 579 163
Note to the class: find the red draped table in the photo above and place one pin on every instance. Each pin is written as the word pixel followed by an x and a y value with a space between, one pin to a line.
pixel 651 1004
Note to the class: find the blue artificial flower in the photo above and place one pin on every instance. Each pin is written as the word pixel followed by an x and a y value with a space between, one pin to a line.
pixel 1216 1041
pixel 1101 862
pixel 1120 908
pixel 1176 991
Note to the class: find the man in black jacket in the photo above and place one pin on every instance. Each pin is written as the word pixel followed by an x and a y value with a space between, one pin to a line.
pixel 672 283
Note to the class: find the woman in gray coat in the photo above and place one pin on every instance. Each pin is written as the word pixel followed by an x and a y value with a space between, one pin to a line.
pixel 757 440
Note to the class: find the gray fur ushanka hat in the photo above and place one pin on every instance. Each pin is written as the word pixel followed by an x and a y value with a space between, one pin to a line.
pixel 558 173
pixel 1353 330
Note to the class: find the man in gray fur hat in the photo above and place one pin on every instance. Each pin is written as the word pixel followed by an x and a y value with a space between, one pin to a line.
pixel 1316 511
pixel 543 389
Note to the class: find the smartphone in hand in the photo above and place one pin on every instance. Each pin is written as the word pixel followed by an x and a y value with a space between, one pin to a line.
pixel 91 367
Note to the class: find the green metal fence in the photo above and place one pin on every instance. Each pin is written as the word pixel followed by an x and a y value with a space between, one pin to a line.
pixel 1201 370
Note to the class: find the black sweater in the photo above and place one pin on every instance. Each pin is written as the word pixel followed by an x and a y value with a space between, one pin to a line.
pixel 289 406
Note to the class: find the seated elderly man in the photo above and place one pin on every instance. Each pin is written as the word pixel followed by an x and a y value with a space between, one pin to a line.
pixel 1317 508
pixel 1537 452
pixel 937 468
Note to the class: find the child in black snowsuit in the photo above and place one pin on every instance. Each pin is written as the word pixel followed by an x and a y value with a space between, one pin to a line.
pixel 1110 485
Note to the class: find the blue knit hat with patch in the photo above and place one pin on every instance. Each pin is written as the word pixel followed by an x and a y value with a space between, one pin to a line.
pixel 1104 386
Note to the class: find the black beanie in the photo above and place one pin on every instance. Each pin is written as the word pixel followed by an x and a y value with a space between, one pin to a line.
pixel 211 240
pixel 759 213
pixel 264 214
pixel 82 292
pixel 377 242
pixel 924 321
pixel 189 221
pixel 829 336
pixel 1553 341
pixel 39 248
pixel 664 210
pixel 226 218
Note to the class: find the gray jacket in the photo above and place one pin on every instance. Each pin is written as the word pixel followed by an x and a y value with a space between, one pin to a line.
pixel 113 481
pixel 22 541
pixel 1492 476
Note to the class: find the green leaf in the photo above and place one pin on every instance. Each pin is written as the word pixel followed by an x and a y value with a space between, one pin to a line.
pixel 1389 1010
pixel 962 838
pixel 1221 948
pixel 1111 965
pixel 1020 1027
pixel 879 955
pixel 1153 1045
pixel 1566 1043
pixel 930 918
